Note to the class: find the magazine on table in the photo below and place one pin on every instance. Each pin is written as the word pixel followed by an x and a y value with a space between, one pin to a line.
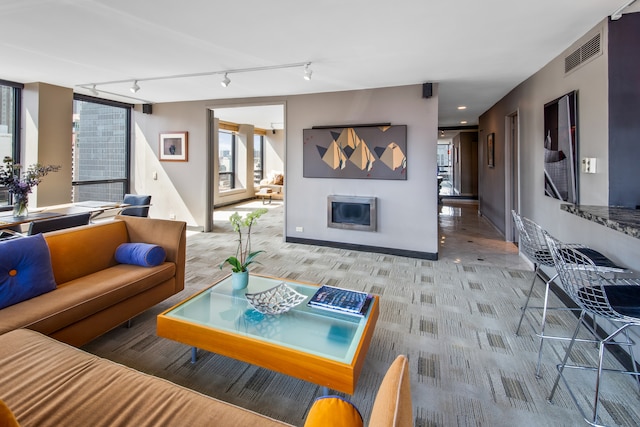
pixel 341 300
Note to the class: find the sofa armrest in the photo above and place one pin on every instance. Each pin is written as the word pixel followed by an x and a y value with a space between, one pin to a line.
pixel 171 235
pixel 392 406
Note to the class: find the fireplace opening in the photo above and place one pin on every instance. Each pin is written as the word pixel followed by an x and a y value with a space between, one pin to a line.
pixel 351 212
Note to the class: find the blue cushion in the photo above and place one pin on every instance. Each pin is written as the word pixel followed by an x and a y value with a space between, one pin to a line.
pixel 25 269
pixel 143 254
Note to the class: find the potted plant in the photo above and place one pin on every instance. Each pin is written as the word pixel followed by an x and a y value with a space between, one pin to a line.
pixel 244 256
pixel 21 184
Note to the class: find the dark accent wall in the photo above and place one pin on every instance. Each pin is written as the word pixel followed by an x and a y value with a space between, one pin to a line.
pixel 466 166
pixel 624 111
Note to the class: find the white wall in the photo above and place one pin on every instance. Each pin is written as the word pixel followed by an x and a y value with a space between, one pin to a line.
pixel 407 210
pixel 181 187
pixel 273 152
pixel 529 98
pixel 46 139
pixel 591 81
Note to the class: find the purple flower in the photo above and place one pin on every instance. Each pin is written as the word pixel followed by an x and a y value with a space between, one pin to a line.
pixel 21 184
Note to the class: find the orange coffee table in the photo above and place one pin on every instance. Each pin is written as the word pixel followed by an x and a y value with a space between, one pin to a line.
pixel 314 345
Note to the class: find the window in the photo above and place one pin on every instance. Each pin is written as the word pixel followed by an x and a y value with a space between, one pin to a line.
pixel 101 143
pixel 10 96
pixel 227 160
pixel 258 158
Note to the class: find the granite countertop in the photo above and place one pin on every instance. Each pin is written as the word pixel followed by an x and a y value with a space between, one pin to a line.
pixel 624 220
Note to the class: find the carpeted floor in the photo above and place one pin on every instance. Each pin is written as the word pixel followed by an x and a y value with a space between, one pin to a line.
pixel 455 321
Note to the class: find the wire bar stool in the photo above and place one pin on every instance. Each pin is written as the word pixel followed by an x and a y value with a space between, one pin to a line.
pixel 612 297
pixel 534 245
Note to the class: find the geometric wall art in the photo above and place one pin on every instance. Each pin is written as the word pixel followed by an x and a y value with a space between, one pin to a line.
pixel 561 148
pixel 360 152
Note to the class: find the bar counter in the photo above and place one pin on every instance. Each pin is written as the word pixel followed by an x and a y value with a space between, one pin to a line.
pixel 624 220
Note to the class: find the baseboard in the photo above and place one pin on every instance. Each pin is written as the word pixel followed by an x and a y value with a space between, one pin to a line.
pixel 365 248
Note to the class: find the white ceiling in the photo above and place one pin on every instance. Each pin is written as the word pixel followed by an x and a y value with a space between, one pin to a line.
pixel 477 51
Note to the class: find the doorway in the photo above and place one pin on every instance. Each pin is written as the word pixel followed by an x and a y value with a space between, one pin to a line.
pixel 457 157
pixel 512 172
pixel 246 146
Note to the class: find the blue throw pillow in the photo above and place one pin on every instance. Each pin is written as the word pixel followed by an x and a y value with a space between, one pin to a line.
pixel 143 254
pixel 25 269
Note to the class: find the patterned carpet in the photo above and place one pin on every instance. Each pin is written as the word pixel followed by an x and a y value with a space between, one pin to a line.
pixel 455 321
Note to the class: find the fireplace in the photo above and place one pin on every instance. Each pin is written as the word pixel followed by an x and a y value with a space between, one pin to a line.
pixel 352 212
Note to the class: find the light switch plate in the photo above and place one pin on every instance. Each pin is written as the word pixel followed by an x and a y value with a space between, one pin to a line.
pixel 589 164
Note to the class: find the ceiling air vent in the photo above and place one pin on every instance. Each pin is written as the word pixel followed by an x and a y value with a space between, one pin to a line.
pixel 589 50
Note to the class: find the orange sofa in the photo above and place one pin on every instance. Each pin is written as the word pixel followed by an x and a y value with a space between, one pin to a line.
pixel 48 383
pixel 94 293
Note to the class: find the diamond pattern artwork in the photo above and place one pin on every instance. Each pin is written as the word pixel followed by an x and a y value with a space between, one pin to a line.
pixel 369 152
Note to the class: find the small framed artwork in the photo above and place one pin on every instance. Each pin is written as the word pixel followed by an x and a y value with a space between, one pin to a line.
pixel 174 147
pixel 491 149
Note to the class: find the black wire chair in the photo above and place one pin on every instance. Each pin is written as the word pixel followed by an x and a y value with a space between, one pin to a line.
pixel 608 296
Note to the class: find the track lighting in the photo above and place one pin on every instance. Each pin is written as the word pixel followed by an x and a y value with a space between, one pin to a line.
pixel 225 82
pixel 307 71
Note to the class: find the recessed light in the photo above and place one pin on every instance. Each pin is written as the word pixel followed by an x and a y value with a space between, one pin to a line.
pixel 462 107
pixel 463 122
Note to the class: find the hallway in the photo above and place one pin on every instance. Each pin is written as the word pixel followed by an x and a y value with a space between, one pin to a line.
pixel 468 238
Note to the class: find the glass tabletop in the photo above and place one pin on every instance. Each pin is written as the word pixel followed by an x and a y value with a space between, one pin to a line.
pixel 323 333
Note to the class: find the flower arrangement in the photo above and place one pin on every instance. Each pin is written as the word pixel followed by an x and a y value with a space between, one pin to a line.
pixel 244 257
pixel 20 185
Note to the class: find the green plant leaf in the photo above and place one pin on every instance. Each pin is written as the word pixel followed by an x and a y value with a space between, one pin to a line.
pixel 251 256
pixel 235 264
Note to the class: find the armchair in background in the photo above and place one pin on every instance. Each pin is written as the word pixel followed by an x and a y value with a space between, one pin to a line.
pixel 273 181
pixel 139 205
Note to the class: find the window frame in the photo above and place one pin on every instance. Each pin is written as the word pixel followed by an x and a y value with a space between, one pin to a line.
pixel 258 177
pixel 234 155
pixel 17 129
pixel 128 108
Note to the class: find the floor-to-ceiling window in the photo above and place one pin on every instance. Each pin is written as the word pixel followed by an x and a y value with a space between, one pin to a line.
pixel 227 159
pixel 258 157
pixel 101 147
pixel 10 96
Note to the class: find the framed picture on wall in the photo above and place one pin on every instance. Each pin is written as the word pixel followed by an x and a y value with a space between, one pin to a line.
pixel 561 148
pixel 174 147
pixel 491 149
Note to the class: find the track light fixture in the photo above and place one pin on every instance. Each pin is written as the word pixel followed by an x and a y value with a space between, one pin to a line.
pixel 307 71
pixel 225 82
pixel 94 91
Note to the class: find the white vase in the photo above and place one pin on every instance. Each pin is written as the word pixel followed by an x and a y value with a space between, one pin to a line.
pixel 240 280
